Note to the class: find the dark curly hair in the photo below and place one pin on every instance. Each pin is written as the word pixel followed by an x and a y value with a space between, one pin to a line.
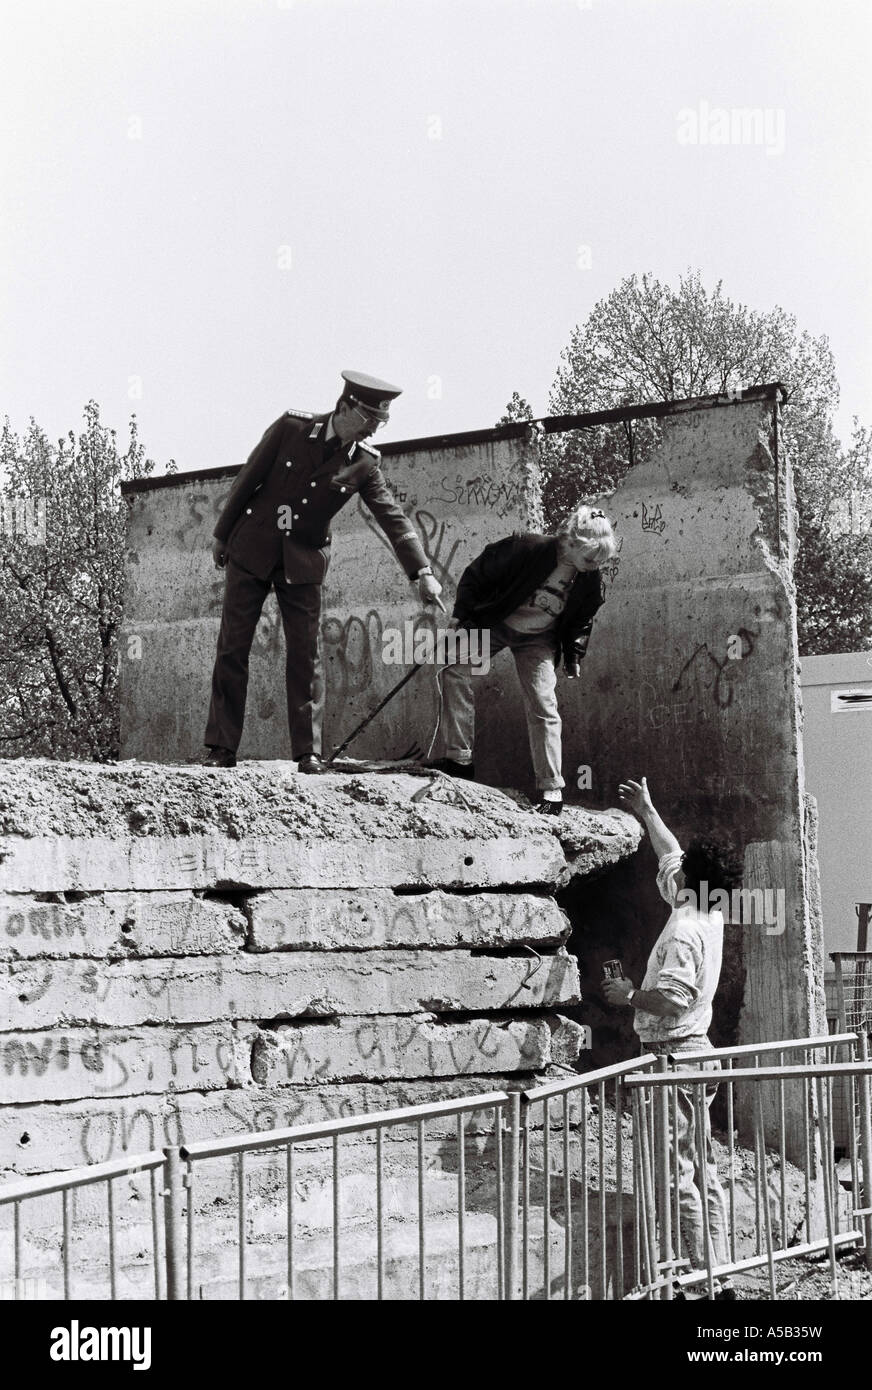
pixel 717 863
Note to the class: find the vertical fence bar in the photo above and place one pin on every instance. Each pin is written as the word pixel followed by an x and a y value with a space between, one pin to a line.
pixel 828 1183
pixel 853 1148
pixel 512 1196
pixel 501 1208
pixel 782 1155
pixel 758 1214
pixel 842 1024
pixel 422 1238
pixel 380 1215
pixel 637 1197
pixel 866 1142
pixel 290 1220
pixel 16 1225
pixel 619 1189
pixel 546 1195
pixel 461 1207
pixel 585 1193
pixel 676 1177
pixel 731 1150
pixel 155 1234
pixel 661 1133
pixel 698 1094
pixel 337 1216
pixel 760 1162
pixel 807 1109
pixel 188 1182
pixel 172 1195
pixel 243 1217
pixel 603 1223
pixel 648 1198
pixel 567 1203
pixel 525 1216
pixel 66 1215
pixel 113 1260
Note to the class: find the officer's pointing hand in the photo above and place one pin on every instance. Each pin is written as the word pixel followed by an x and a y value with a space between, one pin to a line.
pixel 219 554
pixel 429 588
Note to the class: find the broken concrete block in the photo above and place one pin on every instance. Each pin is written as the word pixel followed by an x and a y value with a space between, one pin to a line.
pixel 118 924
pixel 120 993
pixel 74 1063
pixel 330 919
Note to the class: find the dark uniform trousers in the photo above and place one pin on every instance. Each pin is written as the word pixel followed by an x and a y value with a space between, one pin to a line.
pixel 275 526
pixel 300 608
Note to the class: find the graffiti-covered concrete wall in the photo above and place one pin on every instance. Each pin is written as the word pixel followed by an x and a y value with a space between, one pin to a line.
pixel 459 497
pixel 692 678
pixel 692 674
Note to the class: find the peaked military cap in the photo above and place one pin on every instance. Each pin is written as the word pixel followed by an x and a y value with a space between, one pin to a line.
pixel 370 393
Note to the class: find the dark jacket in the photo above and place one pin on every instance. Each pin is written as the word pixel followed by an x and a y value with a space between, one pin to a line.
pixel 284 498
pixel 508 572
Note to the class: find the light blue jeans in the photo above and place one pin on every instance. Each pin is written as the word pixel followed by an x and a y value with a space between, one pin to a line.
pixel 534 661
pixel 690 1178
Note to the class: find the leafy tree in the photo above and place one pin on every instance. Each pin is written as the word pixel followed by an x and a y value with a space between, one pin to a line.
pixel 63 522
pixel 647 342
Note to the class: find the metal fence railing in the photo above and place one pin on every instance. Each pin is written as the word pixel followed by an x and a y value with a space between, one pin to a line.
pixel 568 1190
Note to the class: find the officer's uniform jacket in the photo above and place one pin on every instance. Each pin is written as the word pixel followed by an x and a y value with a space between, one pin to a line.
pixel 285 496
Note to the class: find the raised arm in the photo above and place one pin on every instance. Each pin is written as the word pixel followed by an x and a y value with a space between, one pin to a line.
pixel 637 798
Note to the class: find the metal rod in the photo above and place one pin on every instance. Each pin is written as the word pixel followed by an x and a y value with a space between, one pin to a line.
pixel 702 1165
pixel 172 1193
pixel 242 1214
pixel 337 1215
pixel 567 1203
pixel 113 1262
pixel 501 1205
pixel 525 1213
pixel 422 1242
pixel 289 1216
pixel 827 1183
pixel 546 1196
pixel 782 1154
pixel 379 1216
pixel 461 1208
pixel 155 1235
pixel 590 1078
pixel 370 717
pixel 585 1192
pixel 66 1216
pixel 648 1187
pixel 603 1224
pixel 807 1109
pixel 661 1132
pixel 866 1147
pixel 760 1164
pixel 188 1180
pixel 619 1190
pixel 731 1149
pixel 512 1196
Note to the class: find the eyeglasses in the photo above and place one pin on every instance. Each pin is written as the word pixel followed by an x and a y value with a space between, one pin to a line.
pixel 368 419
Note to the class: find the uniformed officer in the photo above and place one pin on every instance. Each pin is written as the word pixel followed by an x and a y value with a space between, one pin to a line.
pixel 274 531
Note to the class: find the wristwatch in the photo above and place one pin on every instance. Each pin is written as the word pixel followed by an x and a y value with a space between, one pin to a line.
pixel 631 994
pixel 425 569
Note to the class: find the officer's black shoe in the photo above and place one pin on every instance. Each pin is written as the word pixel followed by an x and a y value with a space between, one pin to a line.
pixel 311 764
pixel 454 769
pixel 549 808
pixel 220 757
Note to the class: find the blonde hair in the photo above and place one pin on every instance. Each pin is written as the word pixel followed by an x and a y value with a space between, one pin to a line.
pixel 591 526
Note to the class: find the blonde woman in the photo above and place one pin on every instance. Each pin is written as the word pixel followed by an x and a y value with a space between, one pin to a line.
pixel 536 595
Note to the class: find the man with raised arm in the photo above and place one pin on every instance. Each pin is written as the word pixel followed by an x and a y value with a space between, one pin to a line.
pixel 673 1007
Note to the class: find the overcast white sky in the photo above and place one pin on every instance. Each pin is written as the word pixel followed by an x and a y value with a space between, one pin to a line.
pixel 309 124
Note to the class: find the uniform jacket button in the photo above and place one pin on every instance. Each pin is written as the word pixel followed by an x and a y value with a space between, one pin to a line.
pixel 305 501
pixel 342 489
pixel 248 511
pixel 296 516
pixel 288 464
pixel 313 485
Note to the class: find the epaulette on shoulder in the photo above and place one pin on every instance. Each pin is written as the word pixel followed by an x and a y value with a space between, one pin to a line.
pixel 368 449
pixel 300 414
